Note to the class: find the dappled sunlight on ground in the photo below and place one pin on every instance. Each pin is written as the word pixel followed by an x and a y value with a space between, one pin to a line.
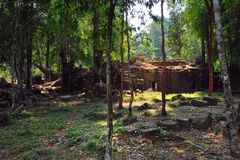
pixel 73 128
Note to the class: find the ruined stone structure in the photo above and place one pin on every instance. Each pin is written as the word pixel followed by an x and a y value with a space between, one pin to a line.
pixel 181 76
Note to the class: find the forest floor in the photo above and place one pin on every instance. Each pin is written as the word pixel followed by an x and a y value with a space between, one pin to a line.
pixel 72 129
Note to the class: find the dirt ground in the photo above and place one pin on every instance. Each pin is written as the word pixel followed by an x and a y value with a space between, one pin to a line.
pixel 69 130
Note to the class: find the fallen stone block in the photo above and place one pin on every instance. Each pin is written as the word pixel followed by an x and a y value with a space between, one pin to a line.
pixel 184 103
pixel 149 124
pixel 211 100
pixel 199 103
pixel 131 129
pixel 184 123
pixel 144 107
pixel 172 105
pixel 168 124
pixel 128 120
pixel 178 97
pixel 202 123
pixel 151 131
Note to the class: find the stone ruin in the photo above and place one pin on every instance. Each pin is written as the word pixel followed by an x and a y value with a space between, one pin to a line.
pixel 181 76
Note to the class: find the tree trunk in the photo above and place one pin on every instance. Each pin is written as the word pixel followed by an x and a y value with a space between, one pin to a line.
pixel 108 155
pixel 29 63
pixel 47 53
pixel 210 45
pixel 164 112
pixel 63 52
pixel 97 56
pixel 231 113
pixel 15 50
pixel 14 73
pixel 21 28
pixel 122 63
pixel 203 51
pixel 129 67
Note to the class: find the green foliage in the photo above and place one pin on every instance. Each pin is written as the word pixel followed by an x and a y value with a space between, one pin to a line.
pixel 5 71
pixel 23 114
pixel 175 31
pixel 118 126
pixel 154 96
pixel 91 144
pixel 38 154
pixel 156 36
pixel 23 135
pixel 217 66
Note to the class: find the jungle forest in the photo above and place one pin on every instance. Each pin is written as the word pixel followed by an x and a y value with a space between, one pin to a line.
pixel 119 79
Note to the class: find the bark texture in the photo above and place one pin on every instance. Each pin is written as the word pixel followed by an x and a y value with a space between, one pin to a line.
pixel 97 54
pixel 108 155
pixel 65 69
pixel 164 63
pixel 122 63
pixel 29 63
pixel 231 113
pixel 203 51
pixel 129 68
pixel 210 45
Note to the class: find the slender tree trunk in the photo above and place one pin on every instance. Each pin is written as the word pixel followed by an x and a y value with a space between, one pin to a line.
pixel 14 73
pixel 47 53
pixel 231 113
pixel 129 67
pixel 20 77
pixel 29 63
pixel 108 155
pixel 63 59
pixel 210 45
pixel 63 52
pixel 203 61
pixel 21 43
pixel 203 51
pixel 15 50
pixel 164 112
pixel 97 56
pixel 122 63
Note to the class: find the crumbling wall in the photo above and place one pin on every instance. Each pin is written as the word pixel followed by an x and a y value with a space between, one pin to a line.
pixel 181 76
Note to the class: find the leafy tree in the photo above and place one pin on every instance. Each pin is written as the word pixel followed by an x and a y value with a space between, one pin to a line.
pixel 175 30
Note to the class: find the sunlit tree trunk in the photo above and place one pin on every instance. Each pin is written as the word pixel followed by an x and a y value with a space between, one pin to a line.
pixel 164 112
pixel 122 63
pixel 210 45
pixel 108 155
pixel 231 113
pixel 129 68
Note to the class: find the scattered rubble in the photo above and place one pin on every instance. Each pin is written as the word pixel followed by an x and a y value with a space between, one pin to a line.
pixel 211 100
pixel 144 107
pixel 199 103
